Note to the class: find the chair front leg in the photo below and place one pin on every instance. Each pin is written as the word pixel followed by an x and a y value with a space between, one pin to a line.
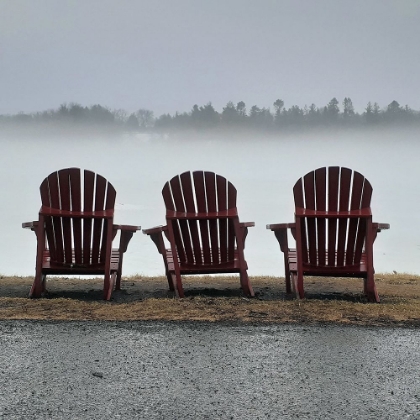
pixel 39 285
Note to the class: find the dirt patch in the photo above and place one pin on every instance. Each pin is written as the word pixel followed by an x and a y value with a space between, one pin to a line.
pixel 328 300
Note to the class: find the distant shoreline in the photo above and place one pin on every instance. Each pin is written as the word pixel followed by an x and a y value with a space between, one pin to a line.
pixel 233 118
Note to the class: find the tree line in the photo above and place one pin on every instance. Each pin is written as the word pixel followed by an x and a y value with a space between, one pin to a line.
pixel 232 116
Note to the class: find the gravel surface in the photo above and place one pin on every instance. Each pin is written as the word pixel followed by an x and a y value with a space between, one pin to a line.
pixel 150 370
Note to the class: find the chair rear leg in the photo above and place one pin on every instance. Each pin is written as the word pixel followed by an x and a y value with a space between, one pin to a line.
pixel 176 279
pixel 44 284
pixel 173 273
pixel 171 280
pixel 287 278
pixel 39 285
pixel 119 273
pixel 118 282
pixel 246 284
pixel 370 288
pixel 297 279
pixel 109 282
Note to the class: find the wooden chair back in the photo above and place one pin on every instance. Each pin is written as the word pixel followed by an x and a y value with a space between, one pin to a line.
pixel 332 210
pixel 200 211
pixel 78 216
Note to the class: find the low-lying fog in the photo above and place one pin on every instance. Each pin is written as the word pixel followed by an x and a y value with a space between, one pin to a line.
pixel 263 171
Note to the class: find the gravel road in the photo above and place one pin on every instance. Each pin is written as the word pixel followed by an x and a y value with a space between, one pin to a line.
pixel 152 370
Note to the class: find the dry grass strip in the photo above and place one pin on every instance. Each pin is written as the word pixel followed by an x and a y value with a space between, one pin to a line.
pixel 217 299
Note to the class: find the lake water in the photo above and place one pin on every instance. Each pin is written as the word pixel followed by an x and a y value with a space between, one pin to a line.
pixel 263 171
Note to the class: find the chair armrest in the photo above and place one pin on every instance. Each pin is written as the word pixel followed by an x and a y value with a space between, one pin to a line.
pixel 381 226
pixel 246 224
pixel 31 225
pixel 154 230
pixel 280 231
pixel 128 228
pixel 156 235
pixel 127 232
pixel 243 231
pixel 278 226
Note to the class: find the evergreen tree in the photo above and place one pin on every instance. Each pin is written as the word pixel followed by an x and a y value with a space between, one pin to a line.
pixel 230 114
pixel 348 109
pixel 278 106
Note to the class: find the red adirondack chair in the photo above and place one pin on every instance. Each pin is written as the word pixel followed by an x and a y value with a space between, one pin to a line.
pixel 75 230
pixel 333 229
pixel 203 229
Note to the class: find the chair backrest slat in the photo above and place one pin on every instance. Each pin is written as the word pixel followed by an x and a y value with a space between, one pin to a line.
pixel 210 180
pixel 98 224
pixel 223 223
pixel 49 229
pixel 76 205
pixel 183 226
pixel 309 182
pixel 298 192
pixel 168 198
pixel 190 207
pixel 89 185
pixel 344 198
pixel 333 190
pixel 361 230
pixel 65 204
pixel 200 195
pixel 321 200
pixel 56 233
pixel 231 200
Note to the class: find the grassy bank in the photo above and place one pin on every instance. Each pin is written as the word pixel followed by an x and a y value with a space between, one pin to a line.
pixel 217 299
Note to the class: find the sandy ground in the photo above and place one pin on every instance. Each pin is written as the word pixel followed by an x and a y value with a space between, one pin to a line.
pixel 333 300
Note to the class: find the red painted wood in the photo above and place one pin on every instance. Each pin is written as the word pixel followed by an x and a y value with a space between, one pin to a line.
pixel 210 182
pixel 344 196
pixel 332 189
pixel 181 226
pixel 200 194
pixel 46 201
pixel 75 228
pixel 223 223
pixel 56 244
pixel 361 231
pixel 167 197
pixel 298 192
pixel 334 231
pixel 309 187
pixel 231 195
pixel 64 193
pixel 202 228
pixel 333 185
pixel 99 230
pixel 321 204
pixel 177 194
pixel 231 202
pixel 88 190
pixel 190 207
pixel 76 205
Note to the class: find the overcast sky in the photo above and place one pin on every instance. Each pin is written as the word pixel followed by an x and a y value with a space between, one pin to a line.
pixel 167 55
